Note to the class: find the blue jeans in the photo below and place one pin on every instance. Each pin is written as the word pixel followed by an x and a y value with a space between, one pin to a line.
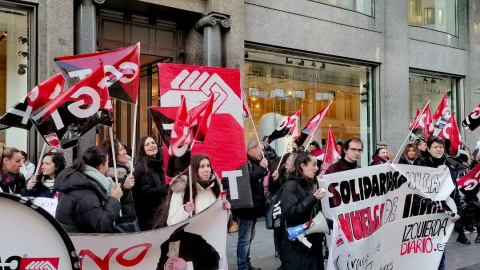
pixel 246 233
pixel 442 262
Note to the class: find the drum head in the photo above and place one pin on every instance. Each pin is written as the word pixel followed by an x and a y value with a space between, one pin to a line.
pixel 32 238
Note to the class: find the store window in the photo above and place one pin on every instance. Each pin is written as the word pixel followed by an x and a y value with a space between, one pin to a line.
pixel 363 6
pixel 277 85
pixel 14 68
pixel 424 88
pixel 439 15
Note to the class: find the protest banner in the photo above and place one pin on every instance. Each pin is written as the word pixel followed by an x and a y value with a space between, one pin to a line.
pixel 225 142
pixel 388 216
pixel 48 204
pixel 200 242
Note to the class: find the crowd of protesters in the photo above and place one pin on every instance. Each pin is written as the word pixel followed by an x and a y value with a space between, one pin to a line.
pixel 90 200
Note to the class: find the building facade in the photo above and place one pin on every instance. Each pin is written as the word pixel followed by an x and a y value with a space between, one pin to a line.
pixel 377 60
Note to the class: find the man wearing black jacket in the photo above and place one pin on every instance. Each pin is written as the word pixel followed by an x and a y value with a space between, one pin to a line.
pixel 247 217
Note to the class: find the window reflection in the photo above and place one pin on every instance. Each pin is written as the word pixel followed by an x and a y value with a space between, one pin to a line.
pixel 435 15
pixel 362 6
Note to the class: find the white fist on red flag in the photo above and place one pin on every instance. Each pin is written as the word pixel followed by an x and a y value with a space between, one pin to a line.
pixel 331 152
pixel 450 132
pixel 442 114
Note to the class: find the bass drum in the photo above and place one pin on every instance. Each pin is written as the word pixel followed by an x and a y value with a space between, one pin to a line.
pixel 31 238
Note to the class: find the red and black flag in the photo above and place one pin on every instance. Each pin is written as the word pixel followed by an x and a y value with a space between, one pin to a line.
pixel 469 185
pixel 63 120
pixel 473 120
pixel 19 115
pixel 200 118
pixel 442 114
pixel 122 70
pixel 181 138
pixel 163 121
pixel 424 123
pixel 312 125
pixel 450 132
pixel 287 127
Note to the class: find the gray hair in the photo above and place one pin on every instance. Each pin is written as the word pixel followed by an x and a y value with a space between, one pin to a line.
pixel 252 144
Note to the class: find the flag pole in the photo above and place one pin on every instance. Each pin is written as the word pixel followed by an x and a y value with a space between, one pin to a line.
pixel 114 158
pixel 190 180
pixel 311 137
pixel 253 123
pixel 284 152
pixel 413 127
pixel 39 161
pixel 134 137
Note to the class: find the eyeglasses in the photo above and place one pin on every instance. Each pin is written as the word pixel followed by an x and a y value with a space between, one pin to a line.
pixel 356 150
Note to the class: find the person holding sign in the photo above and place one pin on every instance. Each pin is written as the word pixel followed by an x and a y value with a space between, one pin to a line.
pixel 88 201
pixel 206 190
pixel 300 202
pixel 43 184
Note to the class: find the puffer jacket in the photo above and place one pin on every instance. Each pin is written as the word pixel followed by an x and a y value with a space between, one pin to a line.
pixel 128 207
pixel 203 199
pixel 149 191
pixel 83 205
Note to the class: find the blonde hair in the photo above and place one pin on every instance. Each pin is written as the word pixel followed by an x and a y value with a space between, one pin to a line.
pixel 7 152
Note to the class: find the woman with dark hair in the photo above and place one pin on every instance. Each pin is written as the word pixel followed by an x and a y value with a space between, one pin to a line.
pixel 300 204
pixel 11 180
pixel 88 201
pixel 150 188
pixel 28 168
pixel 206 189
pixel 127 223
pixel 316 150
pixel 410 155
pixel 380 157
pixel 43 184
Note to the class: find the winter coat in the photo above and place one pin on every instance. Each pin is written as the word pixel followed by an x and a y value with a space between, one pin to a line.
pixel 83 205
pixel 416 161
pixel 149 191
pixel 300 206
pixel 128 207
pixel 203 199
pixel 12 183
pixel 39 190
pixel 341 165
pixel 256 174
pixel 27 170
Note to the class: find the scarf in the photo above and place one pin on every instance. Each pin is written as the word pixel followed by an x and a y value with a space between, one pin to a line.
pixel 205 184
pixel 97 176
pixel 8 178
pixel 49 183
pixel 435 162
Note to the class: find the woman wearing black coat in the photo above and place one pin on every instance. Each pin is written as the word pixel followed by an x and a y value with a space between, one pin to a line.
pixel 88 200
pixel 127 223
pixel 43 185
pixel 11 180
pixel 150 189
pixel 300 201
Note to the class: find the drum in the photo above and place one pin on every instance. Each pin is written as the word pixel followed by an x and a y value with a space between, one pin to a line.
pixel 31 238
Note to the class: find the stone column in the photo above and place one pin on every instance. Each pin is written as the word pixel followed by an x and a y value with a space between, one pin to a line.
pixel 211 24
pixel 85 42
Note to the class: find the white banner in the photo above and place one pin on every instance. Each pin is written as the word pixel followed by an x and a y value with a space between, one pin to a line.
pixel 197 243
pixel 48 204
pixel 388 217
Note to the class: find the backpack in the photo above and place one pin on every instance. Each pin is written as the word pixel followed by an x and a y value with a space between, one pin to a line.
pixel 274 216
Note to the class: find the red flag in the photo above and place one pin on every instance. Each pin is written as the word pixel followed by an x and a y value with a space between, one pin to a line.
pixel 451 132
pixel 331 152
pixel 19 115
pixel 246 110
pixel 122 69
pixel 469 185
pixel 63 120
pixel 473 120
pixel 200 118
pixel 312 125
pixel 415 121
pixel 425 122
pixel 286 127
pixel 179 150
pixel 442 114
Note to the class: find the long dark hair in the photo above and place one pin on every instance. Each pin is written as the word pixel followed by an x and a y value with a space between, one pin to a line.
pixel 162 213
pixel 302 158
pixel 94 156
pixel 142 157
pixel 59 162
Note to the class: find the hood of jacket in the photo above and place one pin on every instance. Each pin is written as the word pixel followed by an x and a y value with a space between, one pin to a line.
pixel 122 173
pixel 67 181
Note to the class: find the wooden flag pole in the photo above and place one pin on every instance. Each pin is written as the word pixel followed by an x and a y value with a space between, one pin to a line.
pixel 284 152
pixel 413 127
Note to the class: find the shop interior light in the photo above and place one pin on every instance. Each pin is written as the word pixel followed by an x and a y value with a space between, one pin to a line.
pixel 301 63
pixel 313 64
pixel 23 40
pixel 433 80
pixel 322 67
pixel 425 80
